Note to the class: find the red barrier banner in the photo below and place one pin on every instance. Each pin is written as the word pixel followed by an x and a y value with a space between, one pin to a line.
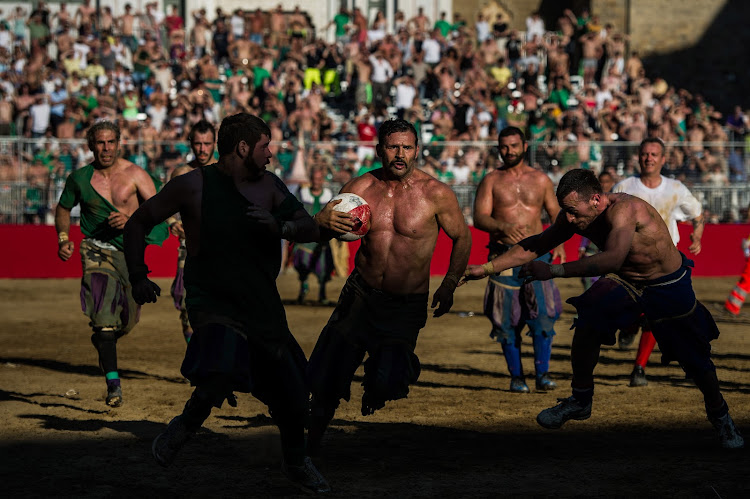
pixel 30 251
pixel 721 255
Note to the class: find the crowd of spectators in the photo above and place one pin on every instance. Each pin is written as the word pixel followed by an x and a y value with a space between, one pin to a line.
pixel 581 97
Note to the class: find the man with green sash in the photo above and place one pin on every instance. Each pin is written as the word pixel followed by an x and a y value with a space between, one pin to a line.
pixel 235 214
pixel 108 190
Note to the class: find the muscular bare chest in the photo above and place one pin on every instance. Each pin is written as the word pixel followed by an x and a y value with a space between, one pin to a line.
pixel 402 211
pixel 117 189
pixel 512 192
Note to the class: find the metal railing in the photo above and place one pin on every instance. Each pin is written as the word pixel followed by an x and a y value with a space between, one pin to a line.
pixel 33 172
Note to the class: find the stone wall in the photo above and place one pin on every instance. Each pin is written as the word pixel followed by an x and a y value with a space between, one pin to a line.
pixel 700 45
pixel 655 26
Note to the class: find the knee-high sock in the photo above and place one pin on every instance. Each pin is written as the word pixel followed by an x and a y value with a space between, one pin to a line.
pixel 512 353
pixel 542 353
pixel 645 347
pixel 105 342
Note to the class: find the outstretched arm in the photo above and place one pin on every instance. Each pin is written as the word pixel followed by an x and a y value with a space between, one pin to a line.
pixel 526 251
pixel 611 259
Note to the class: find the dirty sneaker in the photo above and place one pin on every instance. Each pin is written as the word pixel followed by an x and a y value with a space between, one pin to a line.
pixel 544 383
pixel 306 477
pixel 518 385
pixel 166 445
pixel 638 377
pixel 114 396
pixel 729 435
pixel 569 408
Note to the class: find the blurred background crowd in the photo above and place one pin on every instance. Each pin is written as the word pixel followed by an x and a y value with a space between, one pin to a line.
pixel 582 97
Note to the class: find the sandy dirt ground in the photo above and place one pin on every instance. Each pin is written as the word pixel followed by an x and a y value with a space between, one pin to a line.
pixel 460 433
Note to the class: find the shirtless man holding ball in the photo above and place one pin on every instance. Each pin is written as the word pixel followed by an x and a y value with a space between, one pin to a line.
pixel 383 304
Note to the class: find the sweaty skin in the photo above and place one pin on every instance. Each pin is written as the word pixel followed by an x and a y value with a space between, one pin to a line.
pixel 635 241
pixel 122 183
pixel 510 200
pixel 408 209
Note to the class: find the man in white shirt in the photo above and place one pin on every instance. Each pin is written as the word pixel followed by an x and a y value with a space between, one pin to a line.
pixel 534 26
pixel 81 50
pixel 674 202
pixel 431 49
pixel 6 37
pixel 482 28
pixel 40 116
pixel 405 94
pixel 382 72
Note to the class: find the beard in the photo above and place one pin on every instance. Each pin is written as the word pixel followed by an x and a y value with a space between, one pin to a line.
pixel 254 170
pixel 511 162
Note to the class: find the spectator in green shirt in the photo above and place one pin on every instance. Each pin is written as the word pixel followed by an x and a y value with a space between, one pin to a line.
pixel 341 21
pixel 443 25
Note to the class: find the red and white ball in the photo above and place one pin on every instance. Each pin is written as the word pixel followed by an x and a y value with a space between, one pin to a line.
pixel 359 209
